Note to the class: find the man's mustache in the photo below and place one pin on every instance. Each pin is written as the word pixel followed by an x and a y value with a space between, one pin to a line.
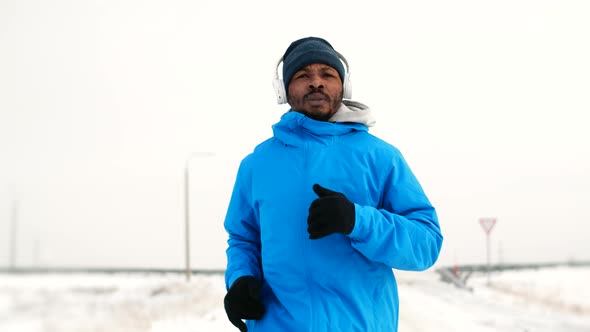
pixel 307 96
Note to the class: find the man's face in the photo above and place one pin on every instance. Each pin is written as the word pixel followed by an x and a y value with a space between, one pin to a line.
pixel 316 91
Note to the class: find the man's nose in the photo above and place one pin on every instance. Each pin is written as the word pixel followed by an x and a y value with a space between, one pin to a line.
pixel 316 82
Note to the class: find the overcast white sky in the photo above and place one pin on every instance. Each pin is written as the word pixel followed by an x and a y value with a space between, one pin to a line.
pixel 102 102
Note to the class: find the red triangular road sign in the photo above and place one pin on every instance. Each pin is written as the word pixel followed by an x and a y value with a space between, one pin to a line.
pixel 487 224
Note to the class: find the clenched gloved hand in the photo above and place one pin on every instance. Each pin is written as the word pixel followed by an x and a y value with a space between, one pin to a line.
pixel 330 213
pixel 242 301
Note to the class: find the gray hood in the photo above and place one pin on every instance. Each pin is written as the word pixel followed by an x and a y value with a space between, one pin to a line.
pixel 353 111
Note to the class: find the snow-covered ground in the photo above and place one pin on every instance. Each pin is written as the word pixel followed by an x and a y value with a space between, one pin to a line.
pixel 550 299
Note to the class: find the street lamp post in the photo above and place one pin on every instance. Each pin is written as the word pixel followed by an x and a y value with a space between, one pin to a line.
pixel 187 208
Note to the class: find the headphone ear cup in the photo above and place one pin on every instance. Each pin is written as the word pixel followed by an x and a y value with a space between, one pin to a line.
pixel 280 90
pixel 347 87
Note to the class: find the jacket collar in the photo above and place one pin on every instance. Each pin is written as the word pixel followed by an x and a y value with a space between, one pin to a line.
pixel 295 128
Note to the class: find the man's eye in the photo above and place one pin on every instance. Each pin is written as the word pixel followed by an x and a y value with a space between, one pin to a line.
pixel 301 75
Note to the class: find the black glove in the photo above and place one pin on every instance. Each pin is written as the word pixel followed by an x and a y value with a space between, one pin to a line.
pixel 331 213
pixel 242 301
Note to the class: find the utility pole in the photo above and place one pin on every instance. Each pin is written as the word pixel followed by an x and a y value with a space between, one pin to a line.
pixel 187 253
pixel 13 235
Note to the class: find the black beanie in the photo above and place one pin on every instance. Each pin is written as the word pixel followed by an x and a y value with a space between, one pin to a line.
pixel 306 51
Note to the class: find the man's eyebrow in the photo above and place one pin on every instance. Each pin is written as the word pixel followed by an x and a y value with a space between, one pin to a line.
pixel 326 67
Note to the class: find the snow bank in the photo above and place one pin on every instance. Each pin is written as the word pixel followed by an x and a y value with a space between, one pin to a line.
pixel 552 300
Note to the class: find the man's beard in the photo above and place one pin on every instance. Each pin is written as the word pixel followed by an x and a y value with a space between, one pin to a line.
pixel 319 116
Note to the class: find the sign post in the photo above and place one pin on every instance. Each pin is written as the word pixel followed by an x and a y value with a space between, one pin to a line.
pixel 487 224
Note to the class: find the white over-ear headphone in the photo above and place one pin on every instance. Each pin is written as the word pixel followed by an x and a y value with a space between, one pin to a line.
pixel 281 89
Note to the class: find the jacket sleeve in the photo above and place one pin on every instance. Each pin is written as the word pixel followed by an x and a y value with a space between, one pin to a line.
pixel 403 231
pixel 242 226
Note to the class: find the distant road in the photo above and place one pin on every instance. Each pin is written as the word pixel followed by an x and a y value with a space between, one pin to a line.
pixel 467 268
pixel 28 270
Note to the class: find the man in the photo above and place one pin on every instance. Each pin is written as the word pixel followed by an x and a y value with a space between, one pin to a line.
pixel 323 211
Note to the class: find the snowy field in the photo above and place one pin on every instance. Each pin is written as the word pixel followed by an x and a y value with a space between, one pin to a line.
pixel 550 299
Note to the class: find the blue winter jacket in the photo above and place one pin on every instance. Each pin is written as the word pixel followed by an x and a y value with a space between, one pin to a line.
pixel 338 282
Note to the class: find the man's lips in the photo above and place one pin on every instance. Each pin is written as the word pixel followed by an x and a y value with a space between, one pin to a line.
pixel 316 96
